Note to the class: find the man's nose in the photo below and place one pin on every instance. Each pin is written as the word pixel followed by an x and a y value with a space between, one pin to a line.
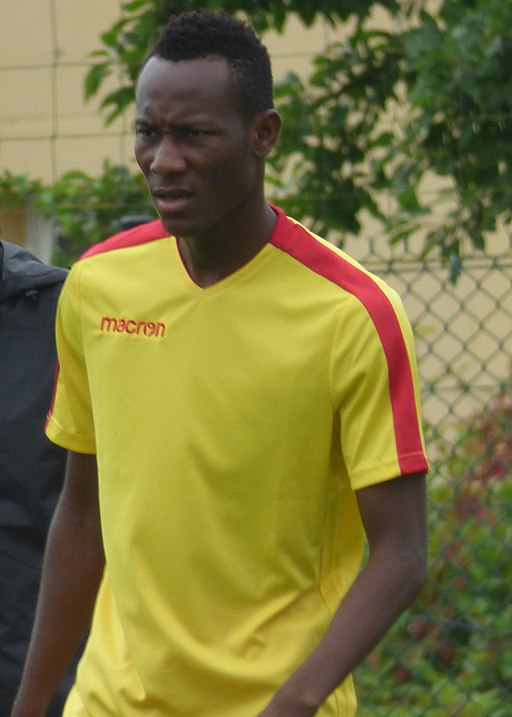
pixel 168 158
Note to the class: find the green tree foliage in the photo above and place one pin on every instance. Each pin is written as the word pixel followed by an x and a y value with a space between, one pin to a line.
pixel 83 209
pixel 128 41
pixel 331 132
pixel 87 209
pixel 445 66
pixel 459 82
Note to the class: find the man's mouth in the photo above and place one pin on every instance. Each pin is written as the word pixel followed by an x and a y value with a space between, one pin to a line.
pixel 171 200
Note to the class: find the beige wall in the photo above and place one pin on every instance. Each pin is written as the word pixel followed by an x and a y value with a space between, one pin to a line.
pixel 45 126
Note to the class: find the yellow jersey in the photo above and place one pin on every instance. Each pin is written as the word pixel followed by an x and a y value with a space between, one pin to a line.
pixel 232 426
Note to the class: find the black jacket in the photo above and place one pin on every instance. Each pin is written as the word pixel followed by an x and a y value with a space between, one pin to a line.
pixel 31 467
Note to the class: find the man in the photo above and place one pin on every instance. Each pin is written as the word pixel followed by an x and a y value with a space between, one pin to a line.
pixel 239 399
pixel 31 467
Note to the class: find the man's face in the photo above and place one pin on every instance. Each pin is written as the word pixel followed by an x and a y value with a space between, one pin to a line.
pixel 193 146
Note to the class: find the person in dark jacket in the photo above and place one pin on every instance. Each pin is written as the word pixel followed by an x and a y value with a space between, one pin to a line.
pixel 31 467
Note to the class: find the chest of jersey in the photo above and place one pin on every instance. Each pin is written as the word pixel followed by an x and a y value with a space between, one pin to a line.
pixel 225 374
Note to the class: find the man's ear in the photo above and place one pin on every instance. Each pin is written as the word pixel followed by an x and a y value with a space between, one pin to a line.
pixel 265 132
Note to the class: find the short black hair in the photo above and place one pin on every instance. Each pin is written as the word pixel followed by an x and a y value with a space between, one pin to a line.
pixel 205 34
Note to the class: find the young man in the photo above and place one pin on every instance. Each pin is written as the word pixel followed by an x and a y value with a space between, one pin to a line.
pixel 240 403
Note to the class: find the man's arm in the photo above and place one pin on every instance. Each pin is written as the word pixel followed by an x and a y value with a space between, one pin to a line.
pixel 394 518
pixel 72 570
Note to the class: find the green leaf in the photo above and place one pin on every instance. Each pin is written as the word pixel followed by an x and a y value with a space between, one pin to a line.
pixel 134 5
pixel 95 77
pixel 118 99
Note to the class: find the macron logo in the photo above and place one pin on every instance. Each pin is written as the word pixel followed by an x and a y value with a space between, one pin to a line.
pixel 149 329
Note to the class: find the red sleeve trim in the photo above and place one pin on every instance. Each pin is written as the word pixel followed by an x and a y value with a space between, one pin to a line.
pixel 54 393
pixel 296 241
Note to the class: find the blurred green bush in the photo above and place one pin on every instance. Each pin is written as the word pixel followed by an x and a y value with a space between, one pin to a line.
pixel 451 654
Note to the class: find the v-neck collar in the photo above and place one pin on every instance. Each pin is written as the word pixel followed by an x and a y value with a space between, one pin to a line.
pixel 239 274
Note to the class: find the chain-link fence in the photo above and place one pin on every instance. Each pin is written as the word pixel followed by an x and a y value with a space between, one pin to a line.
pixel 451 653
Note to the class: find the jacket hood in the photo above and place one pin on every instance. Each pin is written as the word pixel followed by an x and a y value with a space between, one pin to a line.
pixel 22 273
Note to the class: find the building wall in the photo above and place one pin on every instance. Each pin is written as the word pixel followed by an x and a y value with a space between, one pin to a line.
pixel 46 128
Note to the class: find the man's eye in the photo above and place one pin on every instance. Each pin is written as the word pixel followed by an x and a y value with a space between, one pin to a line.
pixel 147 132
pixel 192 132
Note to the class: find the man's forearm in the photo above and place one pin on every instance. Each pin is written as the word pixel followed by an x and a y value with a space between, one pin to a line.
pixel 72 571
pixel 394 517
pixel 377 597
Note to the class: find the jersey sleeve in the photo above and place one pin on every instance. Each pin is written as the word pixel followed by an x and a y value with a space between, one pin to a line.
pixel 70 421
pixel 375 388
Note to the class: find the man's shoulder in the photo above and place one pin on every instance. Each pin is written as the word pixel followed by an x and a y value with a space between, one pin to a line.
pixel 141 234
pixel 326 260
pixel 342 281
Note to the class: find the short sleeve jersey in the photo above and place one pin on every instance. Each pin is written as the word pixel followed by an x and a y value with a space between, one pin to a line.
pixel 232 425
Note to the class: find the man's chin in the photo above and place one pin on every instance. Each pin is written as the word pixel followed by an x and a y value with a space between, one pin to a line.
pixel 175 227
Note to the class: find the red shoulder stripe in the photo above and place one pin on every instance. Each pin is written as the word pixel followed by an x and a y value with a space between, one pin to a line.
pixel 130 237
pixel 296 241
pixel 54 393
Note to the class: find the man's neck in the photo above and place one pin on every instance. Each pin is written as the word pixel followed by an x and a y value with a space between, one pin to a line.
pixel 210 259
